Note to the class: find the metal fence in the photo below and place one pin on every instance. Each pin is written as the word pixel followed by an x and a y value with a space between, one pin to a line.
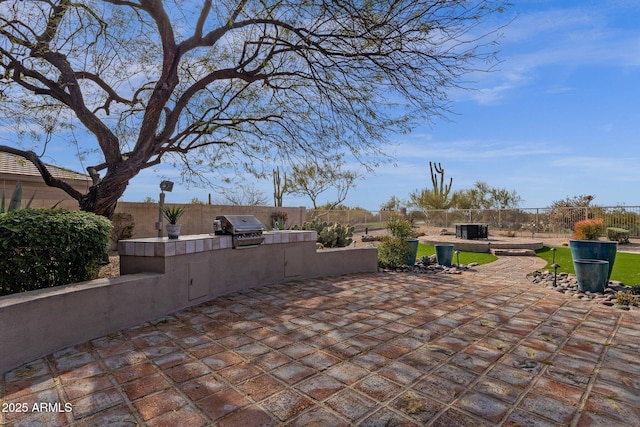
pixel 360 218
pixel 526 221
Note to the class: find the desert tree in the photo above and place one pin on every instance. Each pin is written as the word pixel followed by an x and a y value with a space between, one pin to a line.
pixel 311 179
pixel 393 204
pixel 227 85
pixel 247 194
pixel 566 212
pixel 483 196
pixel 487 201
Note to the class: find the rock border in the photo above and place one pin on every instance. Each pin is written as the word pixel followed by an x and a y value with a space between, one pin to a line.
pixel 429 265
pixel 568 284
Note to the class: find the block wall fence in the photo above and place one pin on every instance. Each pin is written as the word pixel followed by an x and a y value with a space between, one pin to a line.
pixel 198 219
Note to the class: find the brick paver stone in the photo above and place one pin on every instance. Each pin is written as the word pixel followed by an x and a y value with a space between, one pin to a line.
pixel 483 348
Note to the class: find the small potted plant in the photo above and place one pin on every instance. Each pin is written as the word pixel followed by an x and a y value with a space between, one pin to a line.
pixel 172 214
pixel 279 220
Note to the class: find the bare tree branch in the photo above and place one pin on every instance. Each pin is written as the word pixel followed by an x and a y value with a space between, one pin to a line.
pixel 232 85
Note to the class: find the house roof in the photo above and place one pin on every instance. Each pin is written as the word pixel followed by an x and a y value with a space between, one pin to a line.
pixel 16 165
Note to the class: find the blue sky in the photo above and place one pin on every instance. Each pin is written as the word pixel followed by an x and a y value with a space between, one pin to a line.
pixel 559 117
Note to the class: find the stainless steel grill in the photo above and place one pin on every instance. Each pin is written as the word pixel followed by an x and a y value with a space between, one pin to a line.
pixel 246 230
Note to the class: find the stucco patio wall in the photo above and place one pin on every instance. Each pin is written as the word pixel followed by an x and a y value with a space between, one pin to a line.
pixel 160 277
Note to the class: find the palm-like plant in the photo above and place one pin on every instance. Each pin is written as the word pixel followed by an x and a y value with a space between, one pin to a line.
pixel 172 214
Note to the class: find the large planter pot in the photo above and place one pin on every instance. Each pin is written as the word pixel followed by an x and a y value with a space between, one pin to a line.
pixel 411 257
pixel 594 249
pixel 591 274
pixel 173 230
pixel 444 254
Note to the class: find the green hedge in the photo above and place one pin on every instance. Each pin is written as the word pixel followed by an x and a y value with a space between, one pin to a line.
pixel 40 248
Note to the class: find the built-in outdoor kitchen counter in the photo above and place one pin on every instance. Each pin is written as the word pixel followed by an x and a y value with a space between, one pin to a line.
pixel 207 266
pixel 159 277
pixel 164 247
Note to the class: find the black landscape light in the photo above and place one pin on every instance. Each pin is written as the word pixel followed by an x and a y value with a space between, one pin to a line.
pixel 164 186
pixel 555 267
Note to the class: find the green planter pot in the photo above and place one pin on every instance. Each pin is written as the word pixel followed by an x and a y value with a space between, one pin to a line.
pixel 591 274
pixel 594 249
pixel 411 258
pixel 444 254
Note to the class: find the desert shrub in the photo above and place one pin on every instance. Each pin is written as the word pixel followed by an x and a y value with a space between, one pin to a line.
pixel 565 213
pixel 393 252
pixel 40 248
pixel 122 227
pixel 415 216
pixel 623 218
pixel 626 298
pixel 509 234
pixel 588 229
pixel 331 235
pixel 336 236
pixel 427 260
pixel 619 235
pixel 399 226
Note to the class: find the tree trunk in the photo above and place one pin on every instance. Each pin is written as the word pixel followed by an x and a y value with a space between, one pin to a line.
pixel 102 198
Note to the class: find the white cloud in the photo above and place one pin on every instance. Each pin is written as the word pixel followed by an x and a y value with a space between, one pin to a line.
pixel 571 38
pixel 605 169
pixel 472 150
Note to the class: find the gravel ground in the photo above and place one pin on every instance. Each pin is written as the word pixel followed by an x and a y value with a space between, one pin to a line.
pixel 112 269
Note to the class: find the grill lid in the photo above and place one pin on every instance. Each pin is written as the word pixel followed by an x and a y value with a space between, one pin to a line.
pixel 239 224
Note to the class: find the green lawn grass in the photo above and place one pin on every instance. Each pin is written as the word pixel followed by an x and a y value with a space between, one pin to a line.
pixel 465 257
pixel 626 268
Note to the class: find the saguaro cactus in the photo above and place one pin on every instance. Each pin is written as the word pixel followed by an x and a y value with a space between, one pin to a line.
pixel 279 187
pixel 436 197
pixel 440 190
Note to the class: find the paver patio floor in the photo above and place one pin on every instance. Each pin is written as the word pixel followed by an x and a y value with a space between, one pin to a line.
pixel 482 348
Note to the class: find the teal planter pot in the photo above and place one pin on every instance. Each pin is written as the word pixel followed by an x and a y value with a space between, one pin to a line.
pixel 594 249
pixel 591 274
pixel 444 254
pixel 411 258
